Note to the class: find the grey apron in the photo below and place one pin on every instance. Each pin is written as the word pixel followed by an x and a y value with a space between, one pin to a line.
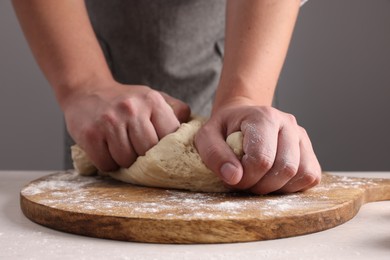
pixel 175 46
pixel 169 45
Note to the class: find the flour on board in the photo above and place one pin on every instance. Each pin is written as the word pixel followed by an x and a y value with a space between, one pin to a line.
pixel 70 191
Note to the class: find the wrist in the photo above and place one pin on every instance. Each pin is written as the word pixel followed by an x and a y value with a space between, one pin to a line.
pixel 68 90
pixel 235 91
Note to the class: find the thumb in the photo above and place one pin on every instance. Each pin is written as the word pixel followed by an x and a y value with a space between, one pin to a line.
pixel 217 155
pixel 181 109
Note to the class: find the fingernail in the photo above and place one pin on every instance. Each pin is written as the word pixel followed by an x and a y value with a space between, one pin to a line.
pixel 228 171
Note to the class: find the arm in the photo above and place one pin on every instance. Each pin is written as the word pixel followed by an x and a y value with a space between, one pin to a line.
pixel 257 37
pixel 110 121
pixel 64 45
pixel 278 152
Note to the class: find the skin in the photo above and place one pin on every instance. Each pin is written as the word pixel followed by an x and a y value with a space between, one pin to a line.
pixel 114 123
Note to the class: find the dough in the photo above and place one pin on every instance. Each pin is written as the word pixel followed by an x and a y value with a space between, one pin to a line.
pixel 173 163
pixel 81 162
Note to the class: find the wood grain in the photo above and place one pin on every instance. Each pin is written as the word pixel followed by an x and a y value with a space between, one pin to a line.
pixel 105 208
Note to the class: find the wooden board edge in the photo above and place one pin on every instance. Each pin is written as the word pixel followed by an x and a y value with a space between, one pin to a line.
pixel 185 231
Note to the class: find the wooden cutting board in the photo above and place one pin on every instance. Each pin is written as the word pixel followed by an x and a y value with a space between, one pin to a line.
pixel 105 208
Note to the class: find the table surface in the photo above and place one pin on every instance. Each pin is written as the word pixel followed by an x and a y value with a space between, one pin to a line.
pixel 365 236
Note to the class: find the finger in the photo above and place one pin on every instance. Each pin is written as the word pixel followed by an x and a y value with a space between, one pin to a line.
pixel 142 134
pixel 286 163
pixel 180 109
pixel 93 142
pixel 115 136
pixel 260 145
pixel 309 171
pixel 120 147
pixel 100 156
pixel 217 155
pixel 162 117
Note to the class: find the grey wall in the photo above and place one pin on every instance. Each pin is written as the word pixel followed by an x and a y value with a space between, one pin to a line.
pixel 30 121
pixel 336 81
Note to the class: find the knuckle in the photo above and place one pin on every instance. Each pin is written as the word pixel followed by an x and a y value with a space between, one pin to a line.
pixel 128 106
pixel 292 119
pixel 303 132
pixel 289 170
pixel 154 98
pixel 264 162
pixel 109 118
pixel 310 179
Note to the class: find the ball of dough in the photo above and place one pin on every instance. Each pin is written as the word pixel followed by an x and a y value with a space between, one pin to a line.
pixel 234 140
pixel 174 163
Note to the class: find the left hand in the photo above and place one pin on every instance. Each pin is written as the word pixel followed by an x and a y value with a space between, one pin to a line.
pixel 278 155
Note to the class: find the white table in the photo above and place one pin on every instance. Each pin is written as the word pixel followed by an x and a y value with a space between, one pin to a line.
pixel 367 236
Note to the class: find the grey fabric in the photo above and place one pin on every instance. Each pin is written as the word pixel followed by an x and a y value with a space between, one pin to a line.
pixel 169 45
pixel 175 46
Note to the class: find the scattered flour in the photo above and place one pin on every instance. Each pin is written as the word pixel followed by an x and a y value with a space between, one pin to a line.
pixel 344 182
pixel 66 181
pixel 69 191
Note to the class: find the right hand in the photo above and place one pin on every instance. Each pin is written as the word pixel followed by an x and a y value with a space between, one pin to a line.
pixel 278 155
pixel 117 123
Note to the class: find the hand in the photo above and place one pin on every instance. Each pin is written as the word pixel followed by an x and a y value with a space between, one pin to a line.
pixel 116 123
pixel 278 155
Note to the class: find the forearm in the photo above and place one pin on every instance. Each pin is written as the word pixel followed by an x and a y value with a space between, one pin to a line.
pixel 63 43
pixel 258 33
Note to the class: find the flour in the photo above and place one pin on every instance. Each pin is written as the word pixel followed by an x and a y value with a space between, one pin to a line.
pixel 69 191
pixel 66 181
pixel 344 183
